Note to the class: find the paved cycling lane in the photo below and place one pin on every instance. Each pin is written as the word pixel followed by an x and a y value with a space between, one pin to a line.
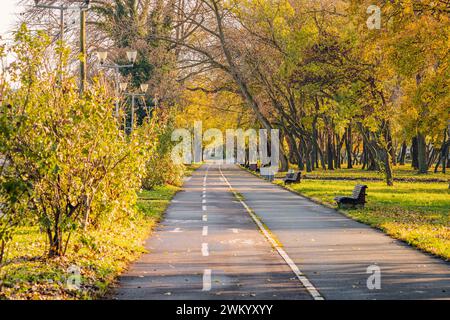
pixel 208 247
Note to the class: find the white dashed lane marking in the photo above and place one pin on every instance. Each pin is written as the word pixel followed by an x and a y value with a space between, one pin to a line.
pixel 205 218
pixel 205 250
pixel 206 280
pixel 205 231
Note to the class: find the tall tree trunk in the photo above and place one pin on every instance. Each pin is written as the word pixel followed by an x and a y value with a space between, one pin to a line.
pixel 433 156
pixel 339 144
pixel 336 151
pixel 388 152
pixel 414 154
pixel 436 167
pixel 55 243
pixel 390 144
pixel 445 162
pixel 301 164
pixel 364 158
pixel 348 146
pixel 443 155
pixel 422 154
pixel 373 155
pixel 402 156
pixel 330 155
pixel 388 168
pixel 2 251
pixel 293 150
pixel 322 158
pixel 371 149
pixel 308 155
pixel 284 164
pixel 315 153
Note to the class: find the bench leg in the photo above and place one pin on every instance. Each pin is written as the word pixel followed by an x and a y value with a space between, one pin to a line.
pixel 346 206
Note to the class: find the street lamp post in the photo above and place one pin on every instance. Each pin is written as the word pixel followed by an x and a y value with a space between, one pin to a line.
pixel 144 89
pixel 103 56
pixel 83 51
pixel 62 9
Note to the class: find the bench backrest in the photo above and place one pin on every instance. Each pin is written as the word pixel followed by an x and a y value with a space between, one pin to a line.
pixel 294 176
pixel 290 175
pixel 359 192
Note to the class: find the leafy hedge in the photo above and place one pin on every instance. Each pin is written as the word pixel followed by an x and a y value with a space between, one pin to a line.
pixel 66 163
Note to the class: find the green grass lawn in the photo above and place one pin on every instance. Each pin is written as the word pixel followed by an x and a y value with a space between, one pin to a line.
pixel 102 255
pixel 416 212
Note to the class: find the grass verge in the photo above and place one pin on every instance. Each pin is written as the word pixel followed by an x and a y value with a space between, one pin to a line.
pixel 191 168
pixel 401 173
pixel 101 255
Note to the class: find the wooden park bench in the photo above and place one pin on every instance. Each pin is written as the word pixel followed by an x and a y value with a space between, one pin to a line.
pixel 293 177
pixel 358 197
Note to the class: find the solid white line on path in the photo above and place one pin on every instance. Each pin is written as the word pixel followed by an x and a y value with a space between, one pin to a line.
pixel 303 279
pixel 205 218
pixel 205 250
pixel 204 208
pixel 204 201
pixel 206 280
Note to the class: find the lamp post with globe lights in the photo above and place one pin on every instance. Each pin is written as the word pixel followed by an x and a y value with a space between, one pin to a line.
pixel 103 59
pixel 143 93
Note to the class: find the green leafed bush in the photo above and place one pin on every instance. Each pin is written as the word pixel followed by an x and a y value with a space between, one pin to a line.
pixel 161 169
pixel 66 164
